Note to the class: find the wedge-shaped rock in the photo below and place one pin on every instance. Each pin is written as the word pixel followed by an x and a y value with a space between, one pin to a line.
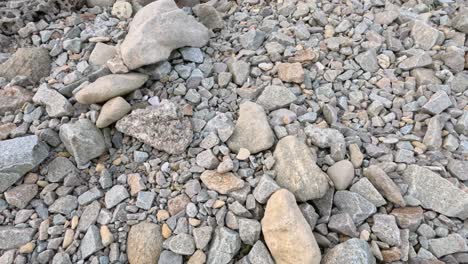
pixel 163 127
pixel 287 233
pixel 384 184
pixel 252 130
pixel 353 251
pixel 110 86
pixel 18 156
pixel 296 170
pixel 158 29
pixel 436 193
pixel 223 183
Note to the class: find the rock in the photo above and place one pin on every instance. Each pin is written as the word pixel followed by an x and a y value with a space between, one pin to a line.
pixel 291 72
pixel 328 138
pixel 178 204
pixel 163 127
pixel 447 200
pixel 13 237
pixel 208 16
pixel 287 234
pixel 21 195
pixel 192 54
pixel 274 97
pixel 355 205
pixel 13 98
pixel 110 86
pixel 64 205
pixel 226 243
pixel 101 3
pixel 437 103
pixel 352 251
pixel 197 258
pixel 72 45
pixel 102 53
pixel 460 21
pixel 459 83
pixel 458 168
pixel 56 104
pixel 386 229
pixel 223 183
pixel 384 184
pixel 83 140
pixel 342 174
pixel 462 124
pixel 240 71
pixel 182 244
pixel 252 39
pixel 365 188
pixel 202 236
pixel 122 10
pixel 424 35
pixel 296 170
pixel 170 28
pixel 112 111
pixel 433 137
pixel 91 242
pixel 416 61
pixel 249 230
pixel 206 159
pixel 19 156
pixel 59 168
pixel 115 195
pixel 168 257
pixel 144 243
pixel 61 258
pixel 252 130
pixel 259 254
pixel 454 58
pixel 453 243
pixel 368 60
pixel 31 62
pixel 343 223
pixel 89 216
pixel 409 217
pixel 265 188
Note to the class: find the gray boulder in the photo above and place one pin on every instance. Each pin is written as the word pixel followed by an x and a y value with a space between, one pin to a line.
pixel 56 104
pixel 31 62
pixel 12 237
pixel 353 251
pixel 226 243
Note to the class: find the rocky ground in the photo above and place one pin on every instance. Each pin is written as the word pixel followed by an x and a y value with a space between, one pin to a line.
pixel 248 132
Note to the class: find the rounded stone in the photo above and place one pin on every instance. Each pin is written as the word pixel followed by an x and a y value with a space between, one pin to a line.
pixel 342 174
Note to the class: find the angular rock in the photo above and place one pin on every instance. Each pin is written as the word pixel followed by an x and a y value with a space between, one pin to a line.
pixel 13 237
pixel 115 195
pixel 365 188
pixel 110 86
pixel 240 71
pixel 202 236
pixel 144 243
pixel 19 156
pixel 252 39
pixel 182 244
pixel 102 53
pixel 386 229
pixel 259 254
pixel 296 170
pixel 265 188
pixel 207 159
pixel 409 217
pixel 83 140
pixel 355 205
pixel 178 204
pixel 208 16
pixel 416 61
pixel 59 168
pixel 33 63
pixel 368 61
pixel 112 111
pixel 453 243
pixel 352 251
pixel 287 233
pixel 13 98
pixel 384 184
pixel 64 205
pixel 424 35
pixel 21 195
pixel 169 257
pixel 343 223
pixel 252 130
pixel 91 242
pixel 458 168
pixel 89 216
pixel 163 127
pixel 249 230
pixel 170 28
pixel 447 199
pixel 433 137
pixel 342 174
pixel 56 104
pixel 226 243
pixel 222 183
pixel 437 103
pixel 274 97
pixel 328 138
pixel 460 21
pixel 291 72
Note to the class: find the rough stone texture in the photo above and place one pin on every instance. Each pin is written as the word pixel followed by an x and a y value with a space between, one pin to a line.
pixel 83 140
pixel 56 104
pixel 274 97
pixel 386 229
pixel 21 195
pixel 226 243
pixel 112 111
pixel 424 35
pixel 453 243
pixel 458 168
pixel 353 251
pixel 12 237
pixel 252 130
pixel 19 156
pixel 115 195
pixel 91 242
pixel 384 184
pixel 365 188
pixel 208 16
pixel 296 170
pixel 102 53
pixel 328 138
pixel 368 61
pixel 110 86
pixel 460 21
pixel 182 244
pixel 59 168
pixel 170 27
pixel 355 205
pixel 287 234
pixel 163 127
pixel 13 98
pixel 144 243
pixel 291 72
pixel 223 183
pixel 447 200
pixel 31 62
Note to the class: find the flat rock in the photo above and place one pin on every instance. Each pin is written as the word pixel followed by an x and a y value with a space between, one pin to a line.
pixel 170 28
pixel 59 168
pixel 110 86
pixel 435 193
pixel 223 183
pixel 182 244
pixel 252 130
pixel 368 60
pixel 33 63
pixel 416 61
pixel 353 251
pixel 458 168
pixel 460 21
pixel 21 195
pixel 287 233
pixel 83 140
pixel 451 244
pixel 240 71
pixel 163 127
pixel 115 195
pixel 144 243
pixel 355 205
pixel 13 98
pixel 56 104
pixel 365 188
pixel 384 184
pixel 438 102
pixel 19 156
pixel 102 53
pixel 424 35
pixel 291 72
pixel 12 237
pixel 274 97
pixel 386 229
pixel 112 111
pixel 225 245
pixel 296 170
pixel 91 242
pixel 64 205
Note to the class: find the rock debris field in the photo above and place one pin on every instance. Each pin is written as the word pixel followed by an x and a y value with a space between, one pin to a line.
pixel 241 132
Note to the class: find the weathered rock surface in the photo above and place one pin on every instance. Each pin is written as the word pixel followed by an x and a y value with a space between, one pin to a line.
pixel 33 63
pixel 56 104
pixel 226 243
pixel 384 184
pixel 296 170
pixel 112 111
pixel 355 205
pixel 13 98
pixel 162 127
pixel 12 237
pixel 223 183
pixel 328 138
pixel 287 234
pixel 169 27
pixel 274 97
pixel 144 243
pixel 353 251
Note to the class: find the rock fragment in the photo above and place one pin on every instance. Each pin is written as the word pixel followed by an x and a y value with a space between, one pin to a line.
pixel 13 237
pixel 13 98
pixel 437 103
pixel 56 104
pixel 21 195
pixel 31 62
pixel 274 97
pixel 384 184
pixel 144 243
pixel 355 205
pixel 328 138
pixel 352 251
pixel 368 60
pixel 208 16
pixel 453 243
pixel 226 243
pixel 91 242
pixel 342 174
pixel 386 229
pixel 223 183
pixel 112 111
pixel 291 72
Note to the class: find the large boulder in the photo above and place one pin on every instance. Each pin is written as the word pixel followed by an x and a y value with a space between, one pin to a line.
pixel 158 29
pixel 163 127
pixel 287 233
pixel 33 63
pixel 296 170
pixel 144 243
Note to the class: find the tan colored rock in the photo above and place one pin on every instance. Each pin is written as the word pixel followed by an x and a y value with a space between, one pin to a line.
pixel 287 233
pixel 110 86
pixel 384 185
pixel 356 155
pixel 27 248
pixel 106 236
pixel 122 10
pixel 13 97
pixel 166 231
pixel 68 238
pixel 197 258
pixel 223 183
pixel 144 243
pixel 102 53
pixel 177 204
pixel 291 72
pixel 136 183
